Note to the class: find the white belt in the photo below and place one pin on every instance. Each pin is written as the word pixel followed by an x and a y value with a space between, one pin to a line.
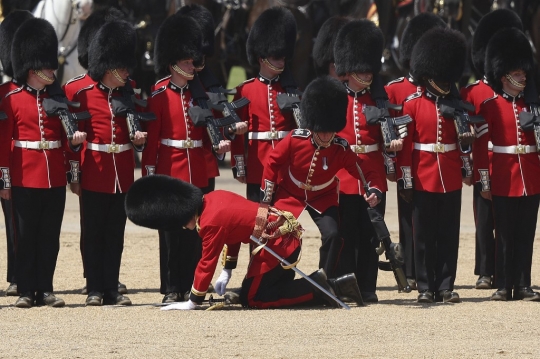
pixel 519 149
pixel 181 144
pixel 309 187
pixel 365 148
pixel 269 135
pixel 108 148
pixel 435 147
pixel 38 145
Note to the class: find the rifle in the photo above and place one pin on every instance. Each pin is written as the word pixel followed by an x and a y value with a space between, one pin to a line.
pixel 57 105
pixel 218 99
pixel 391 127
pixel 454 108
pixel 125 106
pixel 290 100
pixel 530 121
pixel 201 115
pixel 393 251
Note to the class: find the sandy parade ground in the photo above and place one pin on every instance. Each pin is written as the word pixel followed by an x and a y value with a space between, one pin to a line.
pixel 396 327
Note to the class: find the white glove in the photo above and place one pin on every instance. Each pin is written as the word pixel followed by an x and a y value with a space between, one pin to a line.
pixel 189 305
pixel 401 131
pixel 222 281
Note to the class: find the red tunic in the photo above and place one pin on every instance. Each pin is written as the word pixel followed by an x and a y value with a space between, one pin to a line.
pixel 358 133
pixel 401 88
pixel 476 93
pixel 512 175
pixel 229 219
pixel 438 172
pixel 264 117
pixel 170 103
pixel 296 157
pixel 102 171
pixel 32 168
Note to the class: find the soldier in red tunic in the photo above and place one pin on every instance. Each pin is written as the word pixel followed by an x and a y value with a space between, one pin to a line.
pixel 176 146
pixel 32 163
pixel 107 163
pixel 431 158
pixel 398 90
pixel 476 93
pixel 7 30
pixel 270 44
pixel 512 181
pixel 303 167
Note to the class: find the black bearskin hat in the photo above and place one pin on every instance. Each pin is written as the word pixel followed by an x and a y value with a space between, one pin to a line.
pixel 162 202
pixel 88 30
pixel 358 48
pixel 509 49
pixel 34 47
pixel 178 38
pixel 323 49
pixel 417 27
pixel 7 31
pixel 273 35
pixel 324 105
pixel 488 25
pixel 113 47
pixel 204 18
pixel 440 54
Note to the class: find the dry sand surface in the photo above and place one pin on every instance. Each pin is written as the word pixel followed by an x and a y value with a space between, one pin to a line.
pixel 396 327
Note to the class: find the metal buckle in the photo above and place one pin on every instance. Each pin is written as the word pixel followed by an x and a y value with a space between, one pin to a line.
pixel 438 147
pixel 307 187
pixel 520 150
pixel 113 148
pixel 273 135
pixel 44 145
pixel 188 143
pixel 360 149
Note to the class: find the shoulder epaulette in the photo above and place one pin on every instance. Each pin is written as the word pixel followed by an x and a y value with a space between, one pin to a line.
pixel 247 81
pixel 158 91
pixel 163 79
pixel 342 142
pixel 18 89
pixel 301 132
pixel 472 84
pixel 491 98
pixel 89 87
pixel 396 81
pixel 76 78
pixel 413 96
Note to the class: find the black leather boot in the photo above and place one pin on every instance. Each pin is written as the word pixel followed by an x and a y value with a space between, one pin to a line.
pixel 320 278
pixel 346 286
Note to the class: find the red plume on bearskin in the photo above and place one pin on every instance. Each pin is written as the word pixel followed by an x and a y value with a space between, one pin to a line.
pixel 34 47
pixel 324 105
pixel 7 31
pixel 162 202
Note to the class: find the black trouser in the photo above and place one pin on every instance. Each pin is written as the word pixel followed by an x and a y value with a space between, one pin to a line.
pixel 484 263
pixel 179 254
pixel 103 227
pixel 332 243
pixel 253 192
pixel 359 240
pixel 515 225
pixel 436 222
pixel 405 213
pixel 10 239
pixel 276 288
pixel 37 214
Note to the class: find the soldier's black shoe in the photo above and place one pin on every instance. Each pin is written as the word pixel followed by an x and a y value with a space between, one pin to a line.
pixel 94 299
pixel 501 295
pixel 48 298
pixel 370 297
pixel 412 283
pixel 448 296
pixel 122 289
pixel 483 282
pixel 320 278
pixel 526 293
pixel 12 290
pixel 115 298
pixel 346 288
pixel 171 298
pixel 425 297
pixel 84 290
pixel 26 300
